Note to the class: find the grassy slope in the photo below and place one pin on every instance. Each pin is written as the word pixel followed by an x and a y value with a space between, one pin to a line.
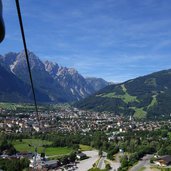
pixel 139 113
pixel 153 102
pixel 126 97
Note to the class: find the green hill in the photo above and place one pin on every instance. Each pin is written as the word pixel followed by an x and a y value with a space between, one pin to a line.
pixel 143 97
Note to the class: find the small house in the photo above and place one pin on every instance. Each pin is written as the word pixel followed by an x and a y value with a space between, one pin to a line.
pixel 163 161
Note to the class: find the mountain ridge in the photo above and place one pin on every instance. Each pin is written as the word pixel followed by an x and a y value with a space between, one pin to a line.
pixel 20 90
pixel 97 83
pixel 147 96
pixel 60 84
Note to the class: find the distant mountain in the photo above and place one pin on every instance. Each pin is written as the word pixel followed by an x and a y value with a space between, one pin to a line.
pixel 144 97
pixel 59 84
pixel 97 83
pixel 70 80
pixel 14 90
pixel 16 63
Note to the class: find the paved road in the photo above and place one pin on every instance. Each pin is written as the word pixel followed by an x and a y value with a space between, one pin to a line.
pixel 116 163
pixel 101 163
pixel 86 164
pixel 142 163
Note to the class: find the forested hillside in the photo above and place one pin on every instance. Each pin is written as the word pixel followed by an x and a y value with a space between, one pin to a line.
pixel 144 97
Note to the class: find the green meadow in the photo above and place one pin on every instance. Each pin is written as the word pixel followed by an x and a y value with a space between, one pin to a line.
pixel 23 146
pixel 85 147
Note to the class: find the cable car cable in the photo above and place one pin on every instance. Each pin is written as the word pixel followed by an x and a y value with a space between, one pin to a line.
pixel 27 58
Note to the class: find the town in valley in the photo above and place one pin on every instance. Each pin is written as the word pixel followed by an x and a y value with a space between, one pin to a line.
pixel 114 141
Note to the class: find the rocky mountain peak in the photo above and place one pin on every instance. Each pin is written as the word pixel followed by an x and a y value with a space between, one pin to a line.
pixel 51 68
pixel 9 58
pixel 57 82
pixel 72 71
pixel 35 62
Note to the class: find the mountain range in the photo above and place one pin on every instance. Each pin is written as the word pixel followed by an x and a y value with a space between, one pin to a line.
pixel 143 97
pixel 53 83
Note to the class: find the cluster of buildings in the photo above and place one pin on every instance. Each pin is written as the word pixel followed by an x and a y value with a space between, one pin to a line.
pixel 66 120
pixel 73 120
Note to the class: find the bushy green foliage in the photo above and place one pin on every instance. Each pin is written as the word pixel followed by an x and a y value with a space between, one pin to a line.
pixel 14 165
pixel 112 151
pixel 108 167
pixel 6 147
pixel 134 144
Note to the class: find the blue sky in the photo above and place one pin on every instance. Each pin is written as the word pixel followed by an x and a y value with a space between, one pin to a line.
pixel 113 39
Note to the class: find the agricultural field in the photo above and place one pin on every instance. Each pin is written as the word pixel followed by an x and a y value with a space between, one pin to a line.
pixel 24 146
pixel 8 106
pixel 18 106
pixel 30 107
pixel 50 151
